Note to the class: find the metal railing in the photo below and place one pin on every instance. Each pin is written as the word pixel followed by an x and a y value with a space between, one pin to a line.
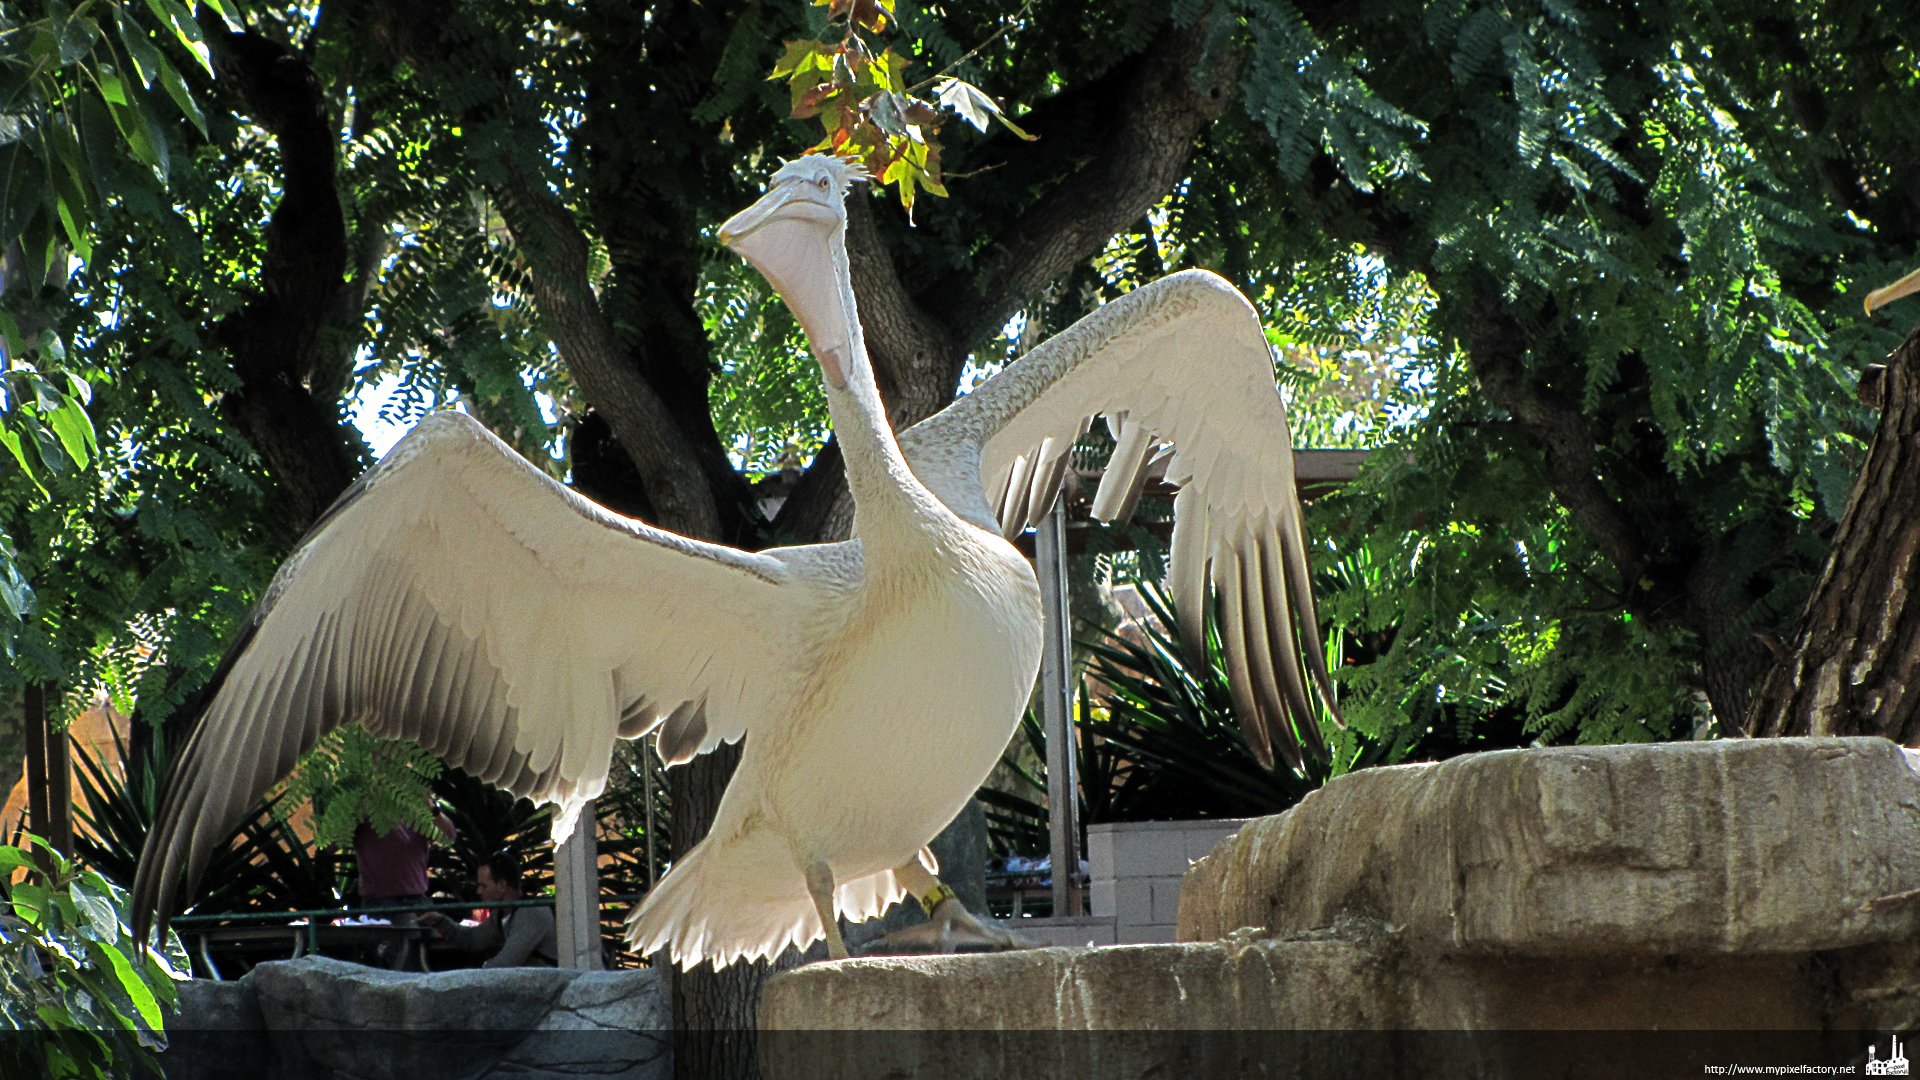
pixel 315 918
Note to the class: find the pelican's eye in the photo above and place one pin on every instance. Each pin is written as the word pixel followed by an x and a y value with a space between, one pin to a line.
pixel 823 183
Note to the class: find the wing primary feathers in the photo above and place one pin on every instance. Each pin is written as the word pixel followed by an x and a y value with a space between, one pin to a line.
pixel 416 697
pixel 1126 473
pixel 1284 640
pixel 1233 643
pixel 1300 587
pixel 638 719
pixel 1013 520
pixel 475 683
pixel 1275 657
pixel 1260 659
pixel 1250 639
pixel 440 690
pixel 997 501
pixel 1187 573
pixel 1053 460
pixel 406 649
pixel 335 699
pixel 506 739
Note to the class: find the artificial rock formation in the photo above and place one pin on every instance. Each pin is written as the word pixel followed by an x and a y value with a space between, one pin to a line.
pixel 1513 914
pixel 1761 845
pixel 324 1018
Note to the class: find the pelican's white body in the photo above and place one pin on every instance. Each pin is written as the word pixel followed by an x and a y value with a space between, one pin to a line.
pixel 901 666
pixel 910 665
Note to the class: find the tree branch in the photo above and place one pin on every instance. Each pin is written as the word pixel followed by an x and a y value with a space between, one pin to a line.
pixel 1150 112
pixel 911 349
pixel 556 250
pixel 277 340
pixel 1857 657
pixel 1497 345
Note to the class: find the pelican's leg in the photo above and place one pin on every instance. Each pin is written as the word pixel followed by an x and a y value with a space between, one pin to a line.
pixel 820 886
pixel 949 923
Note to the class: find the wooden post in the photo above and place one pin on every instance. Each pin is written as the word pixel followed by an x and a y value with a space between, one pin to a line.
pixel 49 772
pixel 59 824
pixel 1056 709
pixel 576 901
pixel 34 702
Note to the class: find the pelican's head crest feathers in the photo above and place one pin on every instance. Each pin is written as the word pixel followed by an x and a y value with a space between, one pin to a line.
pixel 841 172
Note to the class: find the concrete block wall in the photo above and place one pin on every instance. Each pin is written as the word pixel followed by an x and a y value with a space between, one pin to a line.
pixel 1135 869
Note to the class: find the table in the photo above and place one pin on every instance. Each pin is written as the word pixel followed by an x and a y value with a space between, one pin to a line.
pixel 327 939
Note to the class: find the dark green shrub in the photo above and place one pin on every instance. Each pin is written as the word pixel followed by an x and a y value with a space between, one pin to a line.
pixel 78 997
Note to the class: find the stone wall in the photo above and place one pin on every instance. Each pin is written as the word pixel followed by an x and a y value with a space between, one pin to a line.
pixel 1566 912
pixel 323 1018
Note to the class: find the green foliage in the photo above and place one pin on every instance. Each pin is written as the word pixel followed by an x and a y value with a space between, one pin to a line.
pixel 1172 745
pixel 1671 208
pixel 82 997
pixel 1158 741
pixel 122 500
pixel 264 865
pixel 870 112
pixel 355 778
pixel 88 92
pixel 1638 198
pixel 768 407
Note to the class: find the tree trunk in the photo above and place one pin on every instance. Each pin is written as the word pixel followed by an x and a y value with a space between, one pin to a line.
pixel 284 332
pixel 713 1011
pixel 1858 652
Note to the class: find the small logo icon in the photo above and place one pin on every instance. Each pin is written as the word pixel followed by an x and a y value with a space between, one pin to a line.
pixel 1894 1064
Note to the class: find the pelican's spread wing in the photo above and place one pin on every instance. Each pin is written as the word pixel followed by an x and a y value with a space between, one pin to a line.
pixel 1182 362
pixel 459 597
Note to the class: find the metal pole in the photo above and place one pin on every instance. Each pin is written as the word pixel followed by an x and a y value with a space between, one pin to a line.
pixel 1056 708
pixel 646 787
pixel 576 901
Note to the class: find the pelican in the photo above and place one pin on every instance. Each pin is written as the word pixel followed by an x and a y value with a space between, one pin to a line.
pixel 1881 297
pixel 459 597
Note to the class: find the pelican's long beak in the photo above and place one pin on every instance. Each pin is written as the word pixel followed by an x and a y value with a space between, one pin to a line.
pixel 763 210
pixel 1906 286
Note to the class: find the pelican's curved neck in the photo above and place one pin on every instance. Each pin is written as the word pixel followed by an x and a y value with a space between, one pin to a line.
pixel 888 499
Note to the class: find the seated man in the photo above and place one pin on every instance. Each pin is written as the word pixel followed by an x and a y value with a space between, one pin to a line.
pixel 517 936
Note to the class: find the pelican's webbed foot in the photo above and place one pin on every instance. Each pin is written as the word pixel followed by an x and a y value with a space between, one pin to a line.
pixel 950 927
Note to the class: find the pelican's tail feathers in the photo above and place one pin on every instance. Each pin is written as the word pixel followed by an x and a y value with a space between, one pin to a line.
pixel 743 899
pixel 867 897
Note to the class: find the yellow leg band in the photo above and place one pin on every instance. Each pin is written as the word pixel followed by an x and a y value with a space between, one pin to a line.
pixel 935 896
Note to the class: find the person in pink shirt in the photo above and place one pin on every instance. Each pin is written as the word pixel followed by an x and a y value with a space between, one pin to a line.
pixel 393 870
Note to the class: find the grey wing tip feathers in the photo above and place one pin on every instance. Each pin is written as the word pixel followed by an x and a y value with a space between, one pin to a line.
pixel 1271 646
pixel 158 880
